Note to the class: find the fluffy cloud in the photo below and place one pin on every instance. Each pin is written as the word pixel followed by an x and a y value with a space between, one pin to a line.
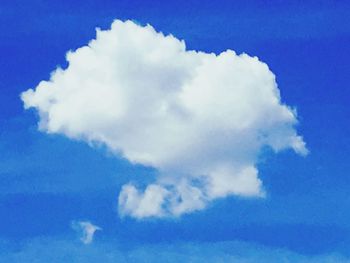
pixel 86 229
pixel 200 119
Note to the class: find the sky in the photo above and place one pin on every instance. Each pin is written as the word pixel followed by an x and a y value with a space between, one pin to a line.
pixel 184 131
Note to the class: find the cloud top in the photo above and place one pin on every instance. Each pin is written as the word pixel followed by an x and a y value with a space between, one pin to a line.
pixel 199 118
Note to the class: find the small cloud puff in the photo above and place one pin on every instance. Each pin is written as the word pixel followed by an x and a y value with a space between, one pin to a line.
pixel 86 230
pixel 200 119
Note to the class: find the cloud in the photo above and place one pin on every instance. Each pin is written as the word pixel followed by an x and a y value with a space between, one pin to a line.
pixel 86 229
pixel 200 119
pixel 47 249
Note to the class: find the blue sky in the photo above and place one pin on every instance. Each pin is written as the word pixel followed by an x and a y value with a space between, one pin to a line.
pixel 48 181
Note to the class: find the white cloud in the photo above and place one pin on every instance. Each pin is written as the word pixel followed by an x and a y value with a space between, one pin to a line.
pixel 86 229
pixel 200 119
pixel 144 204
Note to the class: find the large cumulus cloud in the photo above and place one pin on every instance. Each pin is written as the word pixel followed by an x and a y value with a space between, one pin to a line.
pixel 200 119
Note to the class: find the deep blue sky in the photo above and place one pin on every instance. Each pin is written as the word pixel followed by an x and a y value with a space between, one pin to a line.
pixel 47 180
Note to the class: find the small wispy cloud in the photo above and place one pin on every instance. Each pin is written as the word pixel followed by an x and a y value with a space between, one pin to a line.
pixel 86 230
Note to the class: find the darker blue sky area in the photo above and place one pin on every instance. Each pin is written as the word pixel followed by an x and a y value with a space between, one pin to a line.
pixel 46 181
